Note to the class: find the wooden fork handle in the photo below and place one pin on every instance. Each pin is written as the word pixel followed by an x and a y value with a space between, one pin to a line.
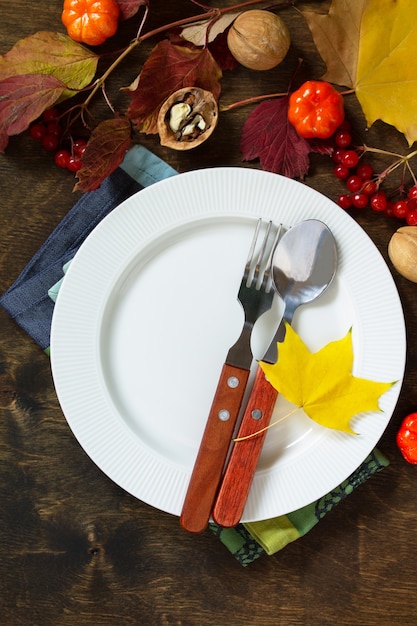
pixel 240 470
pixel 212 454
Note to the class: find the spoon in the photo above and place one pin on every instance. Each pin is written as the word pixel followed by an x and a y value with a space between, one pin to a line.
pixel 304 265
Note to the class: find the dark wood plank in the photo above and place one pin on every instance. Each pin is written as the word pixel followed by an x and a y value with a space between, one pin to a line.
pixel 74 547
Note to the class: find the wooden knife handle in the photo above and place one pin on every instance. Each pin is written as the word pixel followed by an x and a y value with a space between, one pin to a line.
pixel 212 454
pixel 240 470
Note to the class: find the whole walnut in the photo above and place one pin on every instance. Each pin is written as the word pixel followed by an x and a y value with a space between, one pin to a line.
pixel 402 250
pixel 258 40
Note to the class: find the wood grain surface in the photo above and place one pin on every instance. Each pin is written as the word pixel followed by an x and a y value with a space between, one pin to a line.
pixel 75 549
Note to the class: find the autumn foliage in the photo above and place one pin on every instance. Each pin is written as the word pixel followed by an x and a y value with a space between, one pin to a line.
pixel 370 57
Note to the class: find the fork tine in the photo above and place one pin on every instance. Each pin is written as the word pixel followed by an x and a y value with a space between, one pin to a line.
pixel 258 275
pixel 251 252
pixel 261 255
pixel 267 277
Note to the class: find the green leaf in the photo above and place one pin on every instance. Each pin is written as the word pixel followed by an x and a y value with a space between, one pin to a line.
pixel 322 383
pixel 52 54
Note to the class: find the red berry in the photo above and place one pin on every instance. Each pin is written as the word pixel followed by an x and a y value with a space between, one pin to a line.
pixel 365 171
pixel 389 210
pixel 360 200
pixel 412 204
pixel 341 171
pixel 379 202
pixel 50 142
pixel 350 158
pixel 345 125
pixel 337 155
pixel 50 115
pixel 343 138
pixel 412 193
pixel 354 183
pixel 61 158
pixel 369 187
pixel 400 209
pixel 78 147
pixel 74 164
pixel 37 131
pixel 344 201
pixel 411 218
pixel 54 128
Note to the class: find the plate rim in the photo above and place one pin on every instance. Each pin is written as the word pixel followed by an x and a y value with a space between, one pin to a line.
pixel 195 181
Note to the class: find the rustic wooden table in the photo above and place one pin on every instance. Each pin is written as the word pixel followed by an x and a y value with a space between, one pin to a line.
pixel 75 548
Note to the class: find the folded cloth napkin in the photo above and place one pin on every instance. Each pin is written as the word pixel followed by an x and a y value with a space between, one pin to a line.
pixel 30 301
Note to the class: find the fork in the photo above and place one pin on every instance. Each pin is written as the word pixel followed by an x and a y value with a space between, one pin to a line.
pixel 255 295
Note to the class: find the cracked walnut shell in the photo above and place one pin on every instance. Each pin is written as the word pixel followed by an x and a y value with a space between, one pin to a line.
pixel 187 118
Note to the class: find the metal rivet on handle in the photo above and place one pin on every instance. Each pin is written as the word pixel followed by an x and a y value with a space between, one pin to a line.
pixel 223 415
pixel 256 414
pixel 233 382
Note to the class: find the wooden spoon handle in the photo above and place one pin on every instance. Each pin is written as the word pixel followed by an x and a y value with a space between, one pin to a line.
pixel 213 450
pixel 240 470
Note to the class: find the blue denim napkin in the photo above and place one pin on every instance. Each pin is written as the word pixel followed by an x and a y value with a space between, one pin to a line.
pixel 30 301
pixel 27 300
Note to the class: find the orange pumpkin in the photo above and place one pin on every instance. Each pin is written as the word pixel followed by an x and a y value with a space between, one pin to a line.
pixel 407 438
pixel 89 21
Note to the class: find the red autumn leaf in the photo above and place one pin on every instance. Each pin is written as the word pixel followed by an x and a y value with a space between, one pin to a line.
pixel 169 68
pixel 268 135
pixel 23 99
pixel 105 151
pixel 128 8
pixel 322 146
pixel 217 46
pixel 221 53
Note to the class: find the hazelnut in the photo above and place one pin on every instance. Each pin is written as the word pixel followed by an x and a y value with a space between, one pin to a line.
pixel 258 39
pixel 187 118
pixel 402 250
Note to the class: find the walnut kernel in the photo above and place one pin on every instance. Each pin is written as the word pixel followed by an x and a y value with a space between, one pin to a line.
pixel 187 118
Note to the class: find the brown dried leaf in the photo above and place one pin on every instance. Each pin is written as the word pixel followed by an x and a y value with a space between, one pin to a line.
pixel 206 31
pixel 169 68
pixel 336 35
pixel 105 151
pixel 269 136
pixel 23 99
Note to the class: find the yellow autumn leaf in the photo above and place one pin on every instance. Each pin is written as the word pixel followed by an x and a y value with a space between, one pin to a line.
pixel 369 46
pixel 322 383
pixel 386 78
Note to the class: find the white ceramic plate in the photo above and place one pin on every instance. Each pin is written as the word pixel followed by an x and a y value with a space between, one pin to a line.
pixel 148 310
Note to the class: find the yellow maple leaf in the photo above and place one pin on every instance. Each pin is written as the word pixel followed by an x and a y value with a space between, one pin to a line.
pixel 322 383
pixel 369 45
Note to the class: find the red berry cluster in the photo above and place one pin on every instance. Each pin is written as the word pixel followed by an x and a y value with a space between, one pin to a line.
pixel 49 132
pixel 363 185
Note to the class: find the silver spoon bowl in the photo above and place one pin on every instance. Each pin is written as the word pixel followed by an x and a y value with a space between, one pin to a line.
pixel 304 265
